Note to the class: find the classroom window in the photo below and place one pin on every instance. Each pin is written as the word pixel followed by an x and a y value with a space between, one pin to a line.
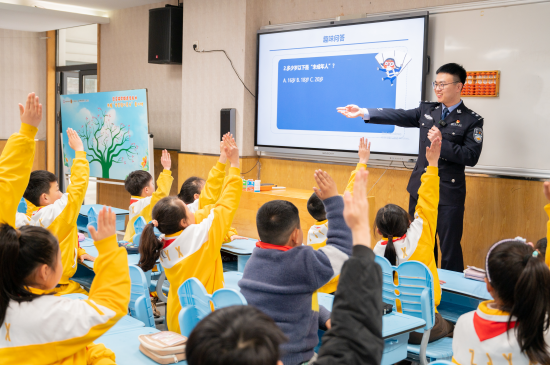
pixel 76 46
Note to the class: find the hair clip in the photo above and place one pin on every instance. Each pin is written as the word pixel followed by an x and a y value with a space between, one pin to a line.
pixel 535 253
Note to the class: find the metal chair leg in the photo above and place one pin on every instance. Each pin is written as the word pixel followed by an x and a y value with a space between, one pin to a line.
pixel 158 288
pixel 423 346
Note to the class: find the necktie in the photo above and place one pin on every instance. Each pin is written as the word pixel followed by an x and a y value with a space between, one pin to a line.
pixel 445 113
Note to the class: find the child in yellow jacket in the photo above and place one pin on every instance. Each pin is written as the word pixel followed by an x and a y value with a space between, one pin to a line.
pixel 17 159
pixel 190 245
pixel 405 240
pixel 141 187
pixel 46 329
pixel 58 212
pixel 197 193
pixel 317 235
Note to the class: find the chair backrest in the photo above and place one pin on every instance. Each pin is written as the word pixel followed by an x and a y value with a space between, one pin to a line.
pixel 140 302
pixel 441 362
pixel 196 303
pixel 22 207
pixel 92 218
pixel 409 287
pixel 139 226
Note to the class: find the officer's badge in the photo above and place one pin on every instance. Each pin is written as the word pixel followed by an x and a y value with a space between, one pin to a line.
pixel 456 124
pixel 459 111
pixel 429 117
pixel 478 135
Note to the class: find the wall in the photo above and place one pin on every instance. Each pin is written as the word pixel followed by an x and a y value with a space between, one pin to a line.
pixel 124 66
pixel 39 154
pixel 22 70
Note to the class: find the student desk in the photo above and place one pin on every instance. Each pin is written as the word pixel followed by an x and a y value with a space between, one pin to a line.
pixel 242 249
pixel 245 218
pixel 459 294
pixel 88 245
pixel 125 345
pixel 82 220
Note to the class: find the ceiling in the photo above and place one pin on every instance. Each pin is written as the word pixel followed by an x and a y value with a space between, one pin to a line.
pixel 40 16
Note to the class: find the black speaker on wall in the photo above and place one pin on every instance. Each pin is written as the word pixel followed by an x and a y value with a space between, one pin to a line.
pixel 228 122
pixel 165 35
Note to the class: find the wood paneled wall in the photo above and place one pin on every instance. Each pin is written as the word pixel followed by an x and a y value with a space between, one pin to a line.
pixel 496 208
pixel 39 154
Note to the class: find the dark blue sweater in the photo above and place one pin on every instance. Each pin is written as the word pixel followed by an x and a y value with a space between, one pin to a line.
pixel 284 284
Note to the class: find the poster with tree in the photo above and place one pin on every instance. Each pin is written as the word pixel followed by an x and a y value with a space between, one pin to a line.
pixel 114 129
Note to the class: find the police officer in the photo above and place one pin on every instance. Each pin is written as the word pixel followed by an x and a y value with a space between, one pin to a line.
pixel 461 132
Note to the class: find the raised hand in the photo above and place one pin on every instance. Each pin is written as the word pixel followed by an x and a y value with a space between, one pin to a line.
pixel 31 113
pixel 166 160
pixel 231 150
pixel 106 225
pixel 350 111
pixel 364 150
pixel 326 186
pixel 356 210
pixel 223 156
pixel 74 140
pixel 433 152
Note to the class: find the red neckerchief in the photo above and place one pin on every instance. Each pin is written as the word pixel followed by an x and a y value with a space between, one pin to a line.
pixel 168 242
pixel 486 329
pixel 269 246
pixel 132 201
pixel 384 243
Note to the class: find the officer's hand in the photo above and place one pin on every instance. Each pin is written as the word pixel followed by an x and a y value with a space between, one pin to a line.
pixel 350 111
pixel 432 153
pixel 434 133
pixel 547 189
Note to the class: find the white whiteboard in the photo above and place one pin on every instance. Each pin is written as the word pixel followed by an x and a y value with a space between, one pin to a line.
pixel 514 40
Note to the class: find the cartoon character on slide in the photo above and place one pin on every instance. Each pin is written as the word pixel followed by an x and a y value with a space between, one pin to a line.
pixel 392 63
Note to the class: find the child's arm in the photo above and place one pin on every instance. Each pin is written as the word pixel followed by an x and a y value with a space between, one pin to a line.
pixel 356 329
pixel 164 184
pixel 547 209
pixel 215 181
pixel 110 292
pixel 331 257
pixel 17 159
pixel 364 155
pixel 427 206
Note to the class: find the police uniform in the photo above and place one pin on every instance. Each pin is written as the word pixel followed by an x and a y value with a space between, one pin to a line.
pixel 462 132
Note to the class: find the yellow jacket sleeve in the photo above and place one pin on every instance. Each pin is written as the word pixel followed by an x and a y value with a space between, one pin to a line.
pixel 15 170
pixel 213 186
pixel 80 175
pixel 224 209
pixel 232 232
pixel 164 184
pixel 547 209
pixel 351 181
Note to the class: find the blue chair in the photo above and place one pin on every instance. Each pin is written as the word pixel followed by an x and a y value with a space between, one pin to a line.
pixel 441 362
pixel 139 226
pixel 140 302
pixel 195 303
pixel 413 295
pixel 22 207
pixel 92 218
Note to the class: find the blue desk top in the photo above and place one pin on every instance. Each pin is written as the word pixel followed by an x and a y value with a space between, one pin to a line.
pixel 392 324
pixel 125 345
pixel 455 282
pixel 240 247
pixel 88 245
pixel 86 208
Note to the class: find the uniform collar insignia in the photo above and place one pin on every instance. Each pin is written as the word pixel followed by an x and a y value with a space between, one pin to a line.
pixel 459 111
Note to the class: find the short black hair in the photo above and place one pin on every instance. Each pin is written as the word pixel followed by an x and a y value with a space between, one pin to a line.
pixel 39 183
pixel 136 181
pixel 453 69
pixel 189 188
pixel 316 208
pixel 276 220
pixel 239 334
pixel 541 246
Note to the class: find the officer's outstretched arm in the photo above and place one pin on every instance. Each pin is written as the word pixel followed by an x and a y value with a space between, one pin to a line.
pixel 469 153
pixel 399 117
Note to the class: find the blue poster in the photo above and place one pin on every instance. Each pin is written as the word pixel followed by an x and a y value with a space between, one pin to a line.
pixel 310 90
pixel 114 129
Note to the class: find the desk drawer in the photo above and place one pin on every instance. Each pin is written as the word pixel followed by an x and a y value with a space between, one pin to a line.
pixel 395 349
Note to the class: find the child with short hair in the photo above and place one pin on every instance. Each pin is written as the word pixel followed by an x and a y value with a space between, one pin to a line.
pixel 37 328
pixel 405 240
pixel 58 212
pixel 317 235
pixel 282 277
pixel 141 187
pixel 244 335
pixel 191 243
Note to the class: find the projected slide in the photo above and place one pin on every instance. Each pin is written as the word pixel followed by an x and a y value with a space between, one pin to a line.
pixel 305 75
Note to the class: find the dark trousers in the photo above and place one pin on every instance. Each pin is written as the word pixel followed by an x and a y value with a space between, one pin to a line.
pixel 450 224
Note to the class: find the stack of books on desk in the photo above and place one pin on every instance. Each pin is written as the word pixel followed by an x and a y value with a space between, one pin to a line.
pixel 474 273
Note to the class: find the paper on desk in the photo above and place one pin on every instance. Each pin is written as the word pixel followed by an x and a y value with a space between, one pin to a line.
pixel 474 273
